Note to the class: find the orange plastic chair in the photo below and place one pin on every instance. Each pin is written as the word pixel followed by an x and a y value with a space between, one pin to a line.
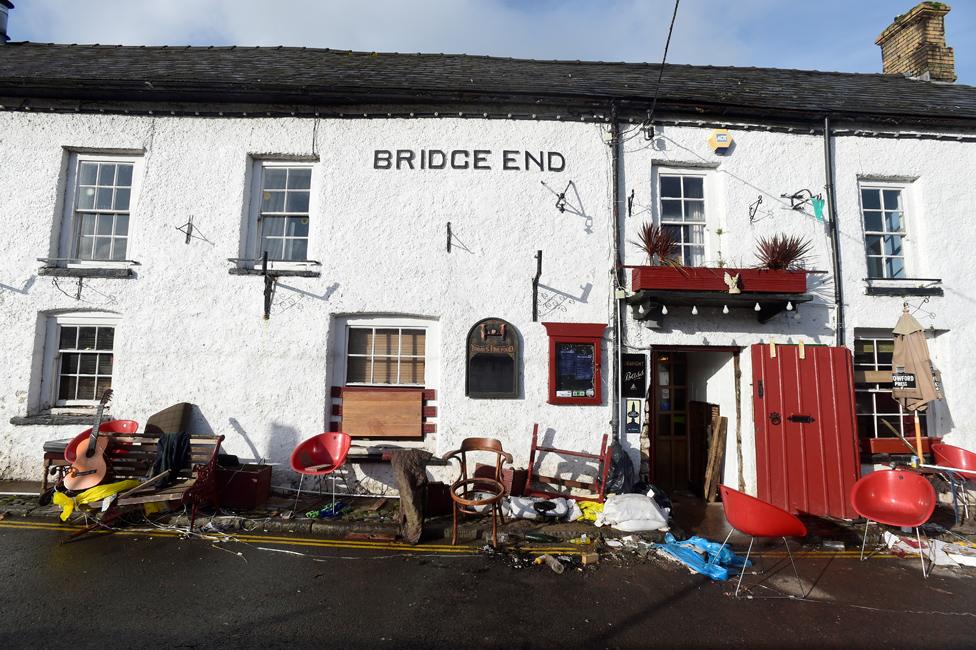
pixel 320 455
pixel 897 498
pixel 756 518
pixel 109 426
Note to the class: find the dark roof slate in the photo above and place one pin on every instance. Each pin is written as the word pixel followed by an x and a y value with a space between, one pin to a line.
pixel 286 73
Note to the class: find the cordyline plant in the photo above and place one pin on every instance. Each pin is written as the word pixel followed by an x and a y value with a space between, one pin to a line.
pixel 782 252
pixel 658 244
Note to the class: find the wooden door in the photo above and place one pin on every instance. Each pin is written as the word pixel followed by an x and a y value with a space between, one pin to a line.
pixel 670 450
pixel 806 436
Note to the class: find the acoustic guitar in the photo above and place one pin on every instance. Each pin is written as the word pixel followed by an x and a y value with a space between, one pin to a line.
pixel 90 468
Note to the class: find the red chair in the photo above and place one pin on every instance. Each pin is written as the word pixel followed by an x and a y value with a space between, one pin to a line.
pixel 894 497
pixel 960 466
pixel 756 518
pixel 318 456
pixel 109 426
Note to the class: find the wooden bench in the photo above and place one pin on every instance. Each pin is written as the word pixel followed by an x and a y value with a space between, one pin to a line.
pixel 131 456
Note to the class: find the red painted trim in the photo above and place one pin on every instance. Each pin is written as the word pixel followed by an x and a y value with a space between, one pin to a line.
pixel 336 391
pixel 591 333
pixel 337 409
pixel 429 427
pixel 333 426
pixel 896 446
pixel 430 395
pixel 430 412
pixel 703 278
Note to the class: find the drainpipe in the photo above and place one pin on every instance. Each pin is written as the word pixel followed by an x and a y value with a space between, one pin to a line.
pixel 617 389
pixel 834 238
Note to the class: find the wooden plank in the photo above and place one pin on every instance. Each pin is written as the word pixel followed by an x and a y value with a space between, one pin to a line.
pixel 382 414
pixel 716 458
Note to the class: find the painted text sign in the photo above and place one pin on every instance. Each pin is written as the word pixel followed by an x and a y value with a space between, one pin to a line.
pixel 477 159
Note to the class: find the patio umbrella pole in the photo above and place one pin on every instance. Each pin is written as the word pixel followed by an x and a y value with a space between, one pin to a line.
pixel 918 438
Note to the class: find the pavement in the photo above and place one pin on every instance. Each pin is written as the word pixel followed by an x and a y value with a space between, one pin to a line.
pixel 156 588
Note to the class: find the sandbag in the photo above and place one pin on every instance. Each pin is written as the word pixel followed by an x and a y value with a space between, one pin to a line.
pixel 620 508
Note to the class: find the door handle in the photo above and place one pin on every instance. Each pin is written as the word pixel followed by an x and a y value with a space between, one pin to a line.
pixel 774 417
pixel 759 389
pixel 802 419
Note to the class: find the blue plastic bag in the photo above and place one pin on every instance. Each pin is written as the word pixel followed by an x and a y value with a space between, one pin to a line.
pixel 703 556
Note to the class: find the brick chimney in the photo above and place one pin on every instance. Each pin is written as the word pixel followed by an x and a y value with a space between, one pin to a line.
pixel 914 44
pixel 5 6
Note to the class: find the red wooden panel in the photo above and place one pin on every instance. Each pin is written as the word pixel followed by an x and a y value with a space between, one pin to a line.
pixel 430 411
pixel 700 278
pixel 430 395
pixel 805 466
pixel 337 409
pixel 429 427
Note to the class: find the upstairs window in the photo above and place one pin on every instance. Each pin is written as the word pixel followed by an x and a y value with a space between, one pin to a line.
pixel 883 214
pixel 100 207
pixel 283 211
pixel 683 215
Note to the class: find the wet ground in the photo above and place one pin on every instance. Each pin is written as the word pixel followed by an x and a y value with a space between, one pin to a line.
pixel 156 590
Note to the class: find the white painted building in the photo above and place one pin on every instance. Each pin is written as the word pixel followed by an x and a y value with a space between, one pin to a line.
pixel 403 199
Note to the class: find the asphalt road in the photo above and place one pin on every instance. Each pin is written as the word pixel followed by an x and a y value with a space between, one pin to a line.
pixel 141 591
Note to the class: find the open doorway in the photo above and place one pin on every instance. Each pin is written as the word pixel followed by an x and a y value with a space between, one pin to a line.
pixel 691 390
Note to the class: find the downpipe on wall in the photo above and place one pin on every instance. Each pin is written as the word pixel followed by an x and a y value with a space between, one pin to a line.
pixel 839 334
pixel 617 387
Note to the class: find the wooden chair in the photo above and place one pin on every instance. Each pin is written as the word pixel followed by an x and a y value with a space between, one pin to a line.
pixel 472 494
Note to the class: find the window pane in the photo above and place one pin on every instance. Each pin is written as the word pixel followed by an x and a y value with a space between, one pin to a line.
pixel 411 371
pixel 694 234
pixel 67 387
pixel 297 202
pixel 103 224
pixel 413 342
pixel 892 200
pixel 888 426
pixel 121 225
pixel 386 341
pixel 864 352
pixel 102 385
pixel 87 173
pixel 274 178
pixel 384 370
pixel 886 404
pixel 103 248
pixel 106 338
pixel 273 226
pixel 86 388
pixel 69 363
pixel 875 267
pixel 68 338
pixel 273 247
pixel 872 221
pixel 86 338
pixel 865 426
pixel 105 364
pixel 693 256
pixel 297 227
pixel 865 402
pixel 87 364
pixel 895 267
pixel 359 341
pixel 121 200
pixel 671 210
pixel 892 245
pixel 892 221
pixel 694 187
pixel 106 174
pixel 871 199
pixel 873 244
pixel 299 178
pixel 86 247
pixel 671 186
pixel 357 370
pixel 118 249
pixel 103 200
pixel 273 202
pixel 124 175
pixel 87 225
pixel 694 210
pixel 296 250
pixel 86 198
pixel 886 349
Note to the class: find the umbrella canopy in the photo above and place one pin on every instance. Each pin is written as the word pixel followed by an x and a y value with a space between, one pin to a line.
pixel 915 382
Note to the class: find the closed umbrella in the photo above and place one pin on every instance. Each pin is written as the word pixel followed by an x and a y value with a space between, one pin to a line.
pixel 914 381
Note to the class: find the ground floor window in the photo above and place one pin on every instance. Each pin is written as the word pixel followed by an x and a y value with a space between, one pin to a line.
pixel 386 355
pixel 878 414
pixel 81 358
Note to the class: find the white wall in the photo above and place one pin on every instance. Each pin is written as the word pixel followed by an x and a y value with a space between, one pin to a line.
pixel 192 332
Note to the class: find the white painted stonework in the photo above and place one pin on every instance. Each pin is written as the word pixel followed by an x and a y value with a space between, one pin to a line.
pixel 190 331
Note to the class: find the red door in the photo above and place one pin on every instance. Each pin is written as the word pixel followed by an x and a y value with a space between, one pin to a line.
pixel 806 434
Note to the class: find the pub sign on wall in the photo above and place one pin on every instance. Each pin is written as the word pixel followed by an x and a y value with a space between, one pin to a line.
pixel 492 360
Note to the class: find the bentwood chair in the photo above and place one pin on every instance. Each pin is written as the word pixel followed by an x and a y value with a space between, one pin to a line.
pixel 897 498
pixel 473 495
pixel 320 456
pixel 756 518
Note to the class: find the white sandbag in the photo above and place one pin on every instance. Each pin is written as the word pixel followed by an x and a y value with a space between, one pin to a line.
pixel 523 508
pixel 620 508
pixel 639 525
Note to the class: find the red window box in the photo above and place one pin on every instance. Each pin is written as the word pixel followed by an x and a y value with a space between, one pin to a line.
pixel 703 278
pixel 575 363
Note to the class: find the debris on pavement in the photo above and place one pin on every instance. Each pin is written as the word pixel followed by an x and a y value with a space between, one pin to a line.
pixel 936 551
pixel 702 556
pixel 551 562
pixel 632 513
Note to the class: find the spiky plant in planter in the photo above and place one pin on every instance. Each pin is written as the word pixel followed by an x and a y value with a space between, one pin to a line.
pixel 658 244
pixel 782 252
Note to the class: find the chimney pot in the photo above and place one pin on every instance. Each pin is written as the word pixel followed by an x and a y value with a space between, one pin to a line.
pixel 914 44
pixel 5 6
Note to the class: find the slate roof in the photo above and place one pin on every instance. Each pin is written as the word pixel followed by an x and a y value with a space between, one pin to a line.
pixel 318 76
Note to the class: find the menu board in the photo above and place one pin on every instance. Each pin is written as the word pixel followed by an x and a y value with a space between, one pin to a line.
pixel 574 370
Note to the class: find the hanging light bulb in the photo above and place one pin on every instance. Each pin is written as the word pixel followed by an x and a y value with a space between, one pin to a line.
pixel 640 309
pixel 694 310
pixel 664 310
pixel 757 307
pixel 789 306
pixel 725 309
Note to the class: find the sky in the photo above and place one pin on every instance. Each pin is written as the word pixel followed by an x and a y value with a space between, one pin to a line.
pixel 815 35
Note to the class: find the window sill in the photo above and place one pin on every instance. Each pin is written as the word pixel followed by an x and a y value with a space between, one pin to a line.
pixel 292 273
pixel 86 272
pixel 52 419
pixel 902 287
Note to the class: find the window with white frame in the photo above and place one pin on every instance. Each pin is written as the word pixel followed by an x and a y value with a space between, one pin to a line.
pixel 883 214
pixel 81 359
pixel 879 415
pixel 100 208
pixel 682 202
pixel 386 355
pixel 282 210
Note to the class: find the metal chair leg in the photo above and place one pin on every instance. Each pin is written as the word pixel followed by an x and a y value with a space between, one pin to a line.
pixel 299 495
pixel 864 539
pixel 795 572
pixel 720 548
pixel 333 493
pixel 921 555
pixel 743 572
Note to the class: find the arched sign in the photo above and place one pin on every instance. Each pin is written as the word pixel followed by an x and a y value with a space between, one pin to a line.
pixel 492 360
